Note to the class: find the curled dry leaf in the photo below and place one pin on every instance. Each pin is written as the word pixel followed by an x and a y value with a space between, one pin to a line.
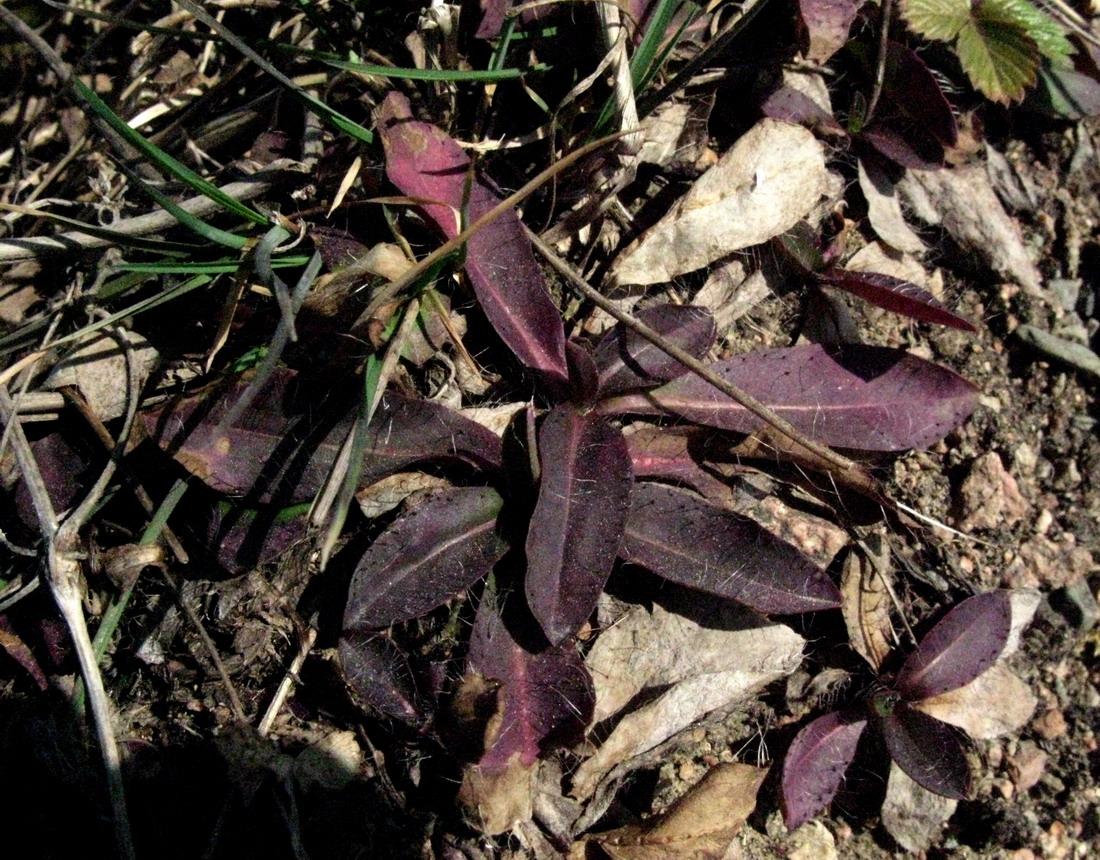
pixel 385 495
pixel 963 201
pixel 659 647
pixel 698 826
pixel 773 176
pixel 14 646
pixel 865 604
pixel 884 208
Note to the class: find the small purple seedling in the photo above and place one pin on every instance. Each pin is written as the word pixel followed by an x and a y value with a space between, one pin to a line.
pixel 964 644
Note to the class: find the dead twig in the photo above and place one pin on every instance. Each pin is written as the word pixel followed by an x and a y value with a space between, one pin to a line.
pixel 306 639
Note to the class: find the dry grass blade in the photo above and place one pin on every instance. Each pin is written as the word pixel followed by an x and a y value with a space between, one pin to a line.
pixel 66 584
pixel 18 250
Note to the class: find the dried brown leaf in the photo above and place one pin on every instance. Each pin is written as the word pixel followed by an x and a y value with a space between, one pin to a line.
pixel 866 605
pixel 772 177
pixel 698 826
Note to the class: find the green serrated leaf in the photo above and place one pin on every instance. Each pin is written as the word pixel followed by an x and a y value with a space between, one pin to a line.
pixel 936 19
pixel 998 56
pixel 1047 33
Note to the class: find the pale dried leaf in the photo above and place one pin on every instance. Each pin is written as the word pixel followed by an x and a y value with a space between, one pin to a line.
pixel 964 202
pixel 97 366
pixel 658 648
pixel 755 656
pixel 731 291
pixel 494 418
pixel 772 177
pixel 663 130
pixel 995 703
pixel 332 762
pixel 496 800
pixel 866 605
pixel 884 208
pixel 1024 602
pixel 812 841
pixel 383 496
pixel 810 84
pixel 913 815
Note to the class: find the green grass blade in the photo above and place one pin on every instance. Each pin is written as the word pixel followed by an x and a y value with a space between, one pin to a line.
pixel 19 339
pixel 162 159
pixel 447 75
pixel 191 222
pixel 215 267
pixel 330 115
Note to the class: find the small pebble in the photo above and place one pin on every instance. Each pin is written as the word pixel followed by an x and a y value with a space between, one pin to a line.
pixel 1050 724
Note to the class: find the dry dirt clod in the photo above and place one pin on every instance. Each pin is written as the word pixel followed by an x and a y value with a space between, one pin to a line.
pixel 990 497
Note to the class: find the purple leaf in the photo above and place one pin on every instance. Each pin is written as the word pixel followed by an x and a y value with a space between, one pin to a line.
pixel 704 547
pixel 439 548
pixel 626 360
pixel 406 431
pixel 63 468
pixel 865 397
pixel 931 752
pixel 894 294
pixel 915 121
pixel 583 380
pixel 548 696
pixel 377 670
pixel 666 453
pixel 816 762
pixel 426 164
pixel 283 446
pixel 904 143
pixel 577 524
pixel 244 538
pixel 827 23
pixel 790 105
pixel 964 644
pixel 917 94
